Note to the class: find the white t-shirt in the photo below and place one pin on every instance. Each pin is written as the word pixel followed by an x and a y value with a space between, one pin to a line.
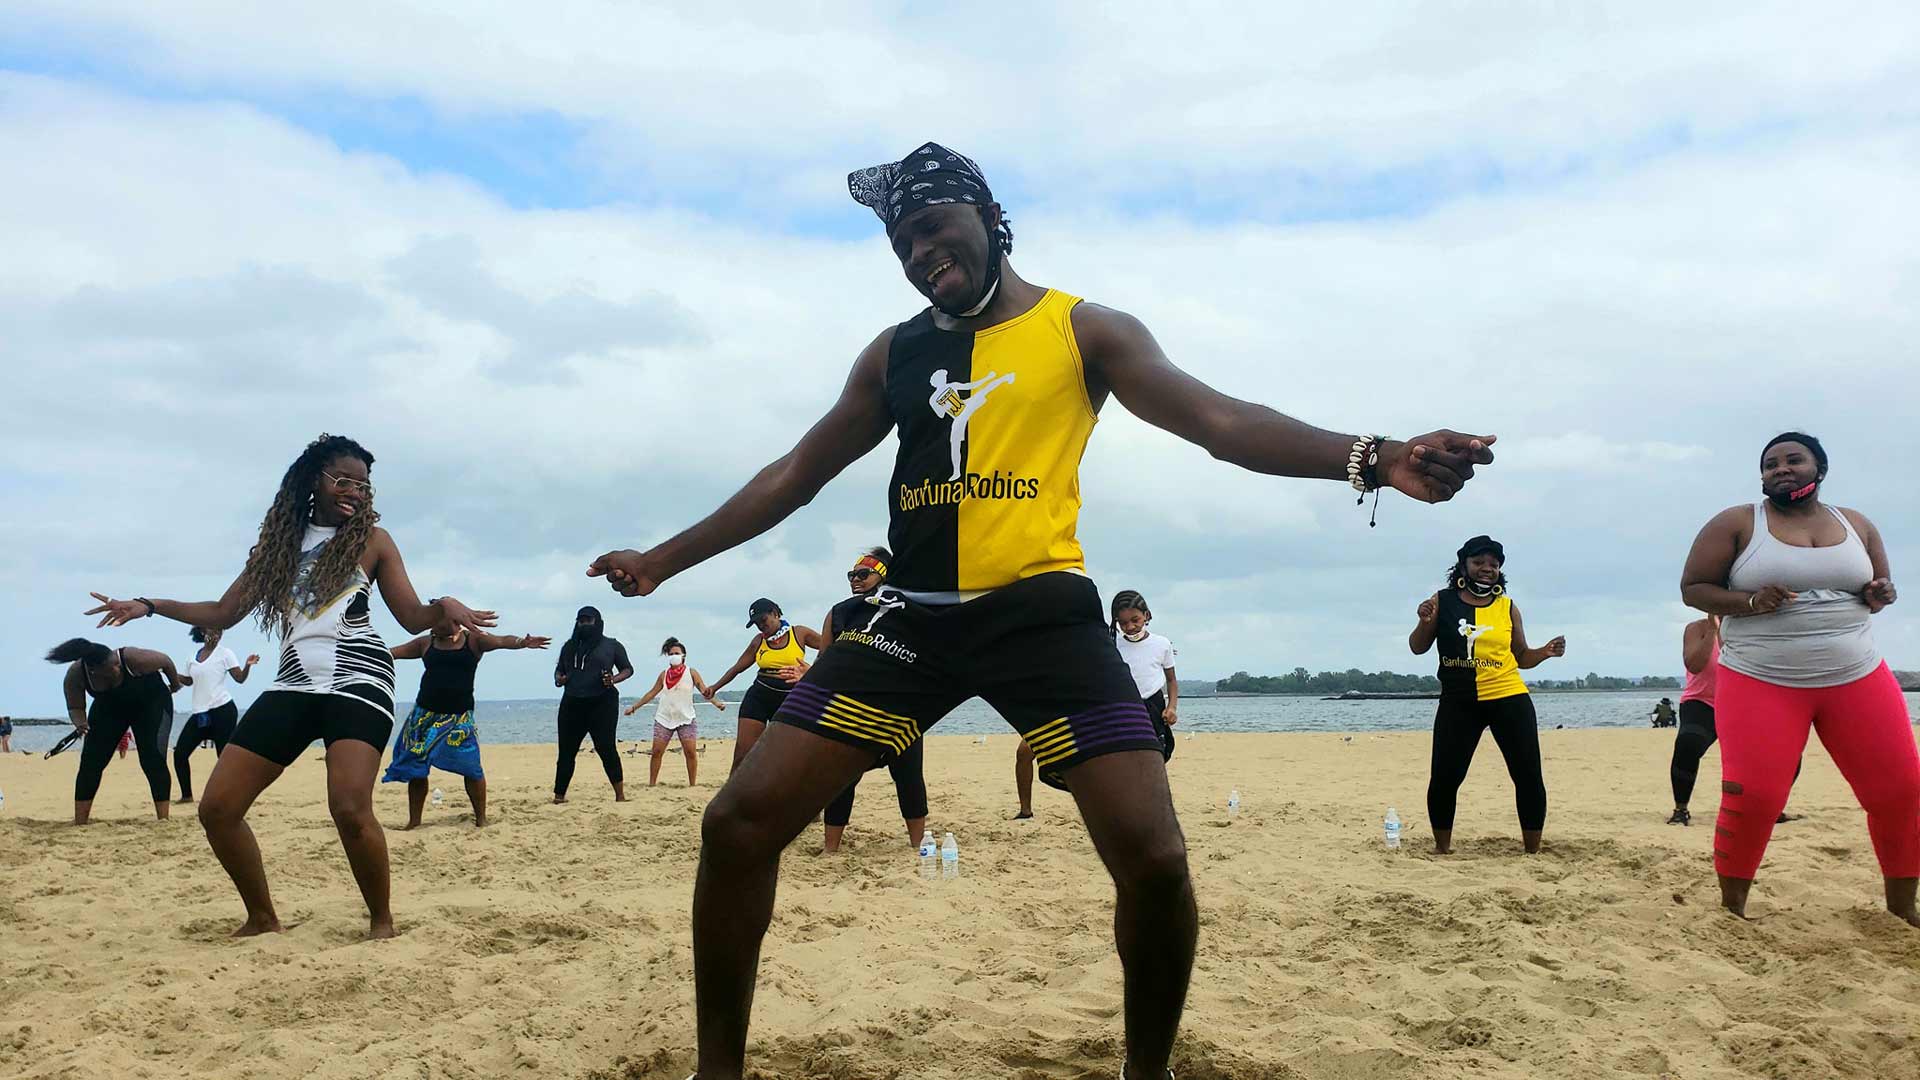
pixel 210 679
pixel 1149 659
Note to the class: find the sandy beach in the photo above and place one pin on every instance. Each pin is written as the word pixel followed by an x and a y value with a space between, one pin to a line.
pixel 555 944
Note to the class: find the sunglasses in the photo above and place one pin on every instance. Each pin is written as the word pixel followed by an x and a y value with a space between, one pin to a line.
pixel 347 483
pixel 859 575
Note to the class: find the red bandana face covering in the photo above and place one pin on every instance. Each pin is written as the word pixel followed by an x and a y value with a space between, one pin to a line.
pixel 675 674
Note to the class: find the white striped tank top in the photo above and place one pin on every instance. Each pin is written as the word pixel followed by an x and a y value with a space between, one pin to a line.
pixel 331 647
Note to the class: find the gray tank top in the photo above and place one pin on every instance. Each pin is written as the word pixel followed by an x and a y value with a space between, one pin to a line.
pixel 1822 637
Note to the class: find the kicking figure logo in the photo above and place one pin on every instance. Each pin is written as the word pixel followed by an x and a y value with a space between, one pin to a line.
pixel 946 401
pixel 1471 633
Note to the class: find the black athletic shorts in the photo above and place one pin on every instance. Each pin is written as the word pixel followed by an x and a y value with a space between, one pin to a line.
pixel 761 702
pixel 1038 651
pixel 282 723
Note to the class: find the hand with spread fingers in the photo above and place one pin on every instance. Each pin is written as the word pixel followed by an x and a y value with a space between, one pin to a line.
pixel 117 612
pixel 1434 467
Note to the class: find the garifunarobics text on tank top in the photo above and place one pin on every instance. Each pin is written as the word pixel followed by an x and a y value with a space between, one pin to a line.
pixel 331 647
pixel 1823 636
pixel 1476 649
pixel 992 426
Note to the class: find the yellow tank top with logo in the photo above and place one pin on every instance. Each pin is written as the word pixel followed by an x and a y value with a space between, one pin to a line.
pixel 1476 649
pixel 993 423
pixel 770 659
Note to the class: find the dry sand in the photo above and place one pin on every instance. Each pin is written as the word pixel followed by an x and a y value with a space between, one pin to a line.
pixel 555 942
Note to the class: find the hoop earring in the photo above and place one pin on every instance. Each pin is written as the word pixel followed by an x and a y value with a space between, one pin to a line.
pixel 1499 590
pixel 1460 583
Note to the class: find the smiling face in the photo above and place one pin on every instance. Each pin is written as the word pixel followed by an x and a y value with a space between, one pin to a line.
pixel 862 580
pixel 1484 568
pixel 1787 467
pixel 945 251
pixel 1132 622
pixel 343 487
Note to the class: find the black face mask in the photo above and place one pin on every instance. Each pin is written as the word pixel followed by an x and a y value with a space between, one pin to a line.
pixel 1796 496
pixel 588 629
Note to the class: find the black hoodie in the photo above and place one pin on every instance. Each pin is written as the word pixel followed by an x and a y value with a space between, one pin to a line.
pixel 588 655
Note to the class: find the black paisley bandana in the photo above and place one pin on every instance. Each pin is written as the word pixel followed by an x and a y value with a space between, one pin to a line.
pixel 930 176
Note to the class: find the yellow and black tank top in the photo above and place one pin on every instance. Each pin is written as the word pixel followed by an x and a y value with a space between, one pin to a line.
pixel 1476 649
pixel 992 423
pixel 770 660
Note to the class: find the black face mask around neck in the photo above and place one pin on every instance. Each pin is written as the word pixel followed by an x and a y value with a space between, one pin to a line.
pixel 1795 497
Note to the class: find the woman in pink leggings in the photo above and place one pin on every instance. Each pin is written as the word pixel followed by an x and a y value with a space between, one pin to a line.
pixel 1795 582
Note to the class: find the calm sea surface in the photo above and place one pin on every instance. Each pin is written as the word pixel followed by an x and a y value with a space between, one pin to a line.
pixel 533 721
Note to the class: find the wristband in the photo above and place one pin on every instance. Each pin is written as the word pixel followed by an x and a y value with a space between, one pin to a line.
pixel 1363 472
pixel 1751 597
pixel 149 603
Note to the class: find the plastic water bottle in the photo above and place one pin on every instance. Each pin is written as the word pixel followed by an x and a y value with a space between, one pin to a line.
pixel 949 857
pixel 928 854
pixel 437 797
pixel 1233 804
pixel 1393 827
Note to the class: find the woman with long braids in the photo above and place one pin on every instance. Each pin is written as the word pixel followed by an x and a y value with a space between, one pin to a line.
pixel 1796 583
pixel 310 579
pixel 131 691
pixel 439 733
pixel 591 665
pixel 214 715
pixel 1483 649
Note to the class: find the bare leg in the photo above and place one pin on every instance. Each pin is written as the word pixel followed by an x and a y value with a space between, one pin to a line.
pixel 750 732
pixel 416 801
pixel 916 829
pixel 82 811
pixel 692 753
pixel 351 766
pixel 1128 809
pixel 238 778
pixel 477 795
pixel 1733 894
pixel 1023 779
pixel 760 809
pixel 653 766
pixel 832 843
pixel 1900 898
pixel 1530 839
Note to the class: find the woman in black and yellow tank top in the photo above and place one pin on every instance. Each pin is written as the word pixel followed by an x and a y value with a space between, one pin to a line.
pixel 778 654
pixel 1483 649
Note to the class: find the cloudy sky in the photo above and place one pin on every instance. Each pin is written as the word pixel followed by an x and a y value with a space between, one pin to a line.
pixel 574 270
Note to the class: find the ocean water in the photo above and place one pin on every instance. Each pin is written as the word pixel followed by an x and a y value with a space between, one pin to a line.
pixel 533 721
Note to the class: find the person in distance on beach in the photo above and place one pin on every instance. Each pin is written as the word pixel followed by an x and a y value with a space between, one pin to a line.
pixel 989 581
pixel 1700 654
pixel 131 689
pixel 310 579
pixel 213 714
pixel 776 652
pixel 1796 583
pixel 1149 658
pixel 1483 649
pixel 439 732
pixel 590 666
pixel 673 717
pixel 855 615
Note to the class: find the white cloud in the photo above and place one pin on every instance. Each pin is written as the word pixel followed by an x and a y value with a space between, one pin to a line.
pixel 192 289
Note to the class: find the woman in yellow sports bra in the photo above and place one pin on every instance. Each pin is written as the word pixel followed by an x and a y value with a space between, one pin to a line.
pixel 776 651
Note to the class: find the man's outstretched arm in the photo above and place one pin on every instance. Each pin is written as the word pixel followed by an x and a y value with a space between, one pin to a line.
pixel 1122 357
pixel 856 424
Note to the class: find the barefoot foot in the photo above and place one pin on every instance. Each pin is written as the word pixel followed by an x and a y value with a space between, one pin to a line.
pixel 253 927
pixel 380 929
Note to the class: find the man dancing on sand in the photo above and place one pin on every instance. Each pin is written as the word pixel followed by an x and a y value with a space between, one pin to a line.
pixel 994 598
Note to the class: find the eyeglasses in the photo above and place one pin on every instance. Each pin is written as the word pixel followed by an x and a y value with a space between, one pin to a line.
pixel 348 483
pixel 859 575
